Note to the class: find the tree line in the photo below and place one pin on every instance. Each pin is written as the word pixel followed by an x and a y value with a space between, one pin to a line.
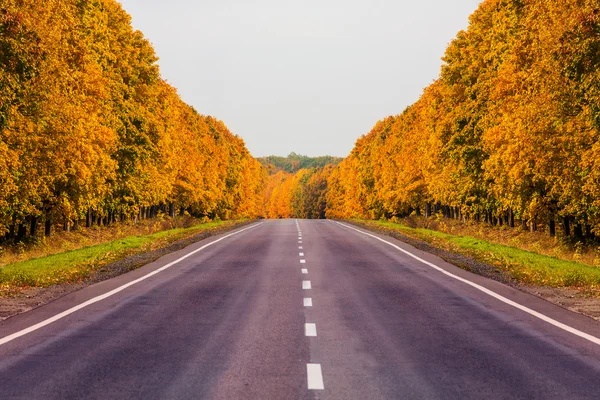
pixel 295 162
pixel 90 133
pixel 299 195
pixel 509 134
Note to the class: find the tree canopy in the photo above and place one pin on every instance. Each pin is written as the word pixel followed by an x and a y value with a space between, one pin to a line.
pixel 510 130
pixel 90 131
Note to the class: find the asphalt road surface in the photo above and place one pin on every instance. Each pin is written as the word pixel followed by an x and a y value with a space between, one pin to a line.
pixel 299 310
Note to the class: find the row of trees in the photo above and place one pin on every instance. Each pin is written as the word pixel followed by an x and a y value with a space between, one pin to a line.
pixel 299 195
pixel 509 133
pixel 295 162
pixel 90 133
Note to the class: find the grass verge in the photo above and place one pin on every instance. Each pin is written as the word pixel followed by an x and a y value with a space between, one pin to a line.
pixel 525 267
pixel 76 265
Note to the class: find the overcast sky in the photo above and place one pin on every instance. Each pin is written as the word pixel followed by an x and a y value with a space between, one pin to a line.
pixel 305 76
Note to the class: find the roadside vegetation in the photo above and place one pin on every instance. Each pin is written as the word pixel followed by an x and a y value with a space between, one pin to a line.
pixel 74 256
pixel 529 258
pixel 509 135
pixel 90 133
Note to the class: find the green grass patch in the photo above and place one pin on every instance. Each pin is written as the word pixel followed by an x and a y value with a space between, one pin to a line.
pixel 525 266
pixel 76 265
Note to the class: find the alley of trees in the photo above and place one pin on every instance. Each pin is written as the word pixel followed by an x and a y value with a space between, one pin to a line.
pixel 509 134
pixel 90 133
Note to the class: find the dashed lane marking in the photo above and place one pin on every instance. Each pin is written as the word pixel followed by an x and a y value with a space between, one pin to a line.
pixel 314 377
pixel 307 302
pixel 310 329
pixel 306 285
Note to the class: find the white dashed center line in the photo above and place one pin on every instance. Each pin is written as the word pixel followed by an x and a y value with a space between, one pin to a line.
pixel 314 372
pixel 315 377
pixel 310 329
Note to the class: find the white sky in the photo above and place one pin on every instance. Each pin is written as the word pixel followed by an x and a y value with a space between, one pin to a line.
pixel 305 76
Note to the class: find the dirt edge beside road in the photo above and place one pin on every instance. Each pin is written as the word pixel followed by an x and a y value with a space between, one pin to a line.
pixel 32 298
pixel 569 298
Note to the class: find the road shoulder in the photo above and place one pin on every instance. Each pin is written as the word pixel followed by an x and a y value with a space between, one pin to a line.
pixel 32 298
pixel 569 298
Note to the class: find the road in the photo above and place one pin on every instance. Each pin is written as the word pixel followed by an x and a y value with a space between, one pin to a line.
pixel 299 310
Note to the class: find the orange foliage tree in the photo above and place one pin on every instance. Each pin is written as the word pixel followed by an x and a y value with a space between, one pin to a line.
pixel 91 133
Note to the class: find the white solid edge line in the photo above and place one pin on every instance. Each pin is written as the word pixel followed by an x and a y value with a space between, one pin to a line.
pixel 314 377
pixel 306 285
pixel 106 295
pixel 307 302
pixel 310 329
pixel 304 271
pixel 489 292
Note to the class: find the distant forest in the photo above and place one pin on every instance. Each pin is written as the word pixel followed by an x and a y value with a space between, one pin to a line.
pixel 295 162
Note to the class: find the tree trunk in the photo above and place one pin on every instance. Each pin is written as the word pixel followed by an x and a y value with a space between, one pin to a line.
pixel 48 227
pixel 21 232
pixel 76 224
pixel 533 226
pixel 578 232
pixel 566 226
pixel 33 226
pixel 552 227
pixel 511 218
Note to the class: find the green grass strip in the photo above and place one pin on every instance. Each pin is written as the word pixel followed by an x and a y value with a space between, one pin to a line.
pixel 524 266
pixel 76 265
